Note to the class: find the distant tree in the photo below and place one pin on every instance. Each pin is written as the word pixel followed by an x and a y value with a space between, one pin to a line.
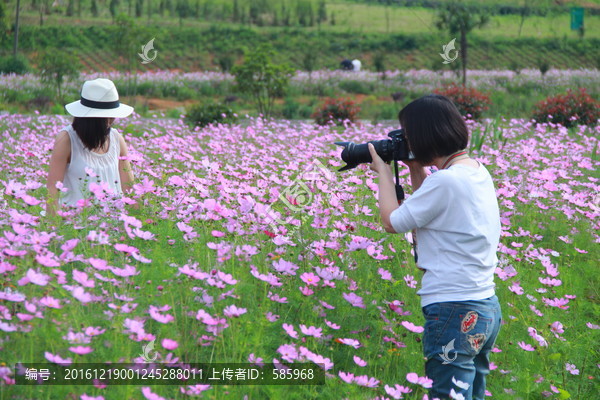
pixel 332 19
pixel 379 63
pixel 183 10
pixel 236 11
pixel 259 77
pixel 253 13
pixel 139 8
pixel 114 9
pixel 322 12
pixel 309 61
pixel 2 18
pixel 461 19
pixel 55 66
pixel 524 12
pixel 285 15
pixel 94 8
pixel 70 8
pixel 197 8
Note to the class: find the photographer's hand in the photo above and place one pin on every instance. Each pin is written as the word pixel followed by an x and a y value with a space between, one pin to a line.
pixel 387 190
pixel 378 165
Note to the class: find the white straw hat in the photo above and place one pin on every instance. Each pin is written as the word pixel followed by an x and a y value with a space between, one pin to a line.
pixel 99 99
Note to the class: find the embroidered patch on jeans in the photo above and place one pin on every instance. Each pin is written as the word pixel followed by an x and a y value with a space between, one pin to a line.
pixel 476 340
pixel 469 321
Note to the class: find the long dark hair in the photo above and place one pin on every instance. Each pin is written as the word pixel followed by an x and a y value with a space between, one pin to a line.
pixel 93 132
pixel 434 127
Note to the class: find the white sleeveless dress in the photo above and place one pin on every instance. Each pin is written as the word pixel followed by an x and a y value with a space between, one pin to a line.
pixel 104 166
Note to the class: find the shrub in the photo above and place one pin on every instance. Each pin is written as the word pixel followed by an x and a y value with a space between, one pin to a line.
pixel 568 109
pixel 337 111
pixel 356 87
pixel 14 65
pixel 470 102
pixel 204 114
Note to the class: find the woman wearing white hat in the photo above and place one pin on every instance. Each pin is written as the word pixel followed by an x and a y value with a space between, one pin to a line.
pixel 90 148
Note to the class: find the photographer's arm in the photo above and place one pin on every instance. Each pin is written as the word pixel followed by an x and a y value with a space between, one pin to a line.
pixel 387 190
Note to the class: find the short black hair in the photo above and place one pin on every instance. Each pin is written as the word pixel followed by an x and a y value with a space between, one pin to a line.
pixel 433 127
pixel 93 132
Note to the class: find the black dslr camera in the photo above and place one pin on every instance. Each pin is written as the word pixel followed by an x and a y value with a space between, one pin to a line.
pixel 393 149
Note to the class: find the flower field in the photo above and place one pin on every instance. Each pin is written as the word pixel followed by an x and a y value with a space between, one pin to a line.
pixel 250 247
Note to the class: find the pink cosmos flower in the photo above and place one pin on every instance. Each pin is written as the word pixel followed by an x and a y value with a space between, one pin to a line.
pixel 526 346
pixel 148 394
pixel 82 279
pixel 533 333
pixel 310 279
pixel 349 342
pixel 37 277
pixel 271 317
pixel 86 397
pixel 366 381
pixel 194 390
pixel 305 290
pixel 285 267
pixel 255 360
pixel 385 274
pixel 47 260
pixel 332 325
pixel 98 263
pixel 169 344
pixel 311 331
pixel 354 299
pixel 51 302
pixel 419 380
pixel 516 288
pixel 81 349
pixel 289 329
pixel 288 352
pixel 397 391
pixel 206 318
pixel 233 311
pixel 359 361
pixel 323 362
pixel 346 376
pixel 571 368
pixel 410 281
pixel 412 327
pixel 81 295
pixel 57 359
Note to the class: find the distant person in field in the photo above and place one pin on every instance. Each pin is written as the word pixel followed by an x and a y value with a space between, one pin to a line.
pixel 347 65
pixel 457 221
pixel 88 150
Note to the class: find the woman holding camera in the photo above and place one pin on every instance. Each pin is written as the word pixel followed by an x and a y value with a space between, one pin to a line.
pixel 456 217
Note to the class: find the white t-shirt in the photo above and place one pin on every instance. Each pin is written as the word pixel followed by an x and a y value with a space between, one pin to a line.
pixel 456 215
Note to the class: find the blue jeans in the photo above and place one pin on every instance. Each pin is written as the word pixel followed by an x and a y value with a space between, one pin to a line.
pixel 457 341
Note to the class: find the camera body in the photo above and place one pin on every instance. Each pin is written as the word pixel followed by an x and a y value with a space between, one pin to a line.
pixel 393 149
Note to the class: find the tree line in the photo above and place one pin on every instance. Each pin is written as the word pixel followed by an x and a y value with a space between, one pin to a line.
pixel 252 12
